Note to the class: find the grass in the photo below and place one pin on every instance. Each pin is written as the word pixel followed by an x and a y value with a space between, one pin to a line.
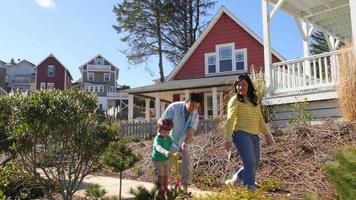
pixel 347 84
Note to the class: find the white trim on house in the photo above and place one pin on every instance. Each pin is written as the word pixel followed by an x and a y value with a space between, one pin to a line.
pixel 207 30
pixel 81 66
pixel 108 76
pixel 42 86
pixel 88 76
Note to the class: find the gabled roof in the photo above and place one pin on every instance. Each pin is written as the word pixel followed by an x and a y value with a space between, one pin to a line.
pixel 51 55
pixel 196 44
pixel 81 66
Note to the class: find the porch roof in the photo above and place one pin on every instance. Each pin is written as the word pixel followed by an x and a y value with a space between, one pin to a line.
pixel 184 84
pixel 330 16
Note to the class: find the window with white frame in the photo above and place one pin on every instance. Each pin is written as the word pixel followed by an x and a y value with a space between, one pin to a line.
pixel 210 60
pixel 111 89
pixel 50 85
pixel 90 76
pixel 241 59
pixel 50 71
pixel 225 58
pixel 209 105
pixel 43 86
pixel 98 61
pixel 106 76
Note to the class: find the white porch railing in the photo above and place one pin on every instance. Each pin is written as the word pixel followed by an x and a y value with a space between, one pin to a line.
pixel 99 67
pixel 309 74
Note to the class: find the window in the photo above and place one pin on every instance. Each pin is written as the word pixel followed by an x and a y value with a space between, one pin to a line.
pixel 50 85
pixel 43 86
pixel 241 59
pixel 98 61
pixel 107 77
pixel 100 106
pixel 210 61
pixel 50 71
pixel 90 76
pixel 209 102
pixel 111 89
pixel 225 59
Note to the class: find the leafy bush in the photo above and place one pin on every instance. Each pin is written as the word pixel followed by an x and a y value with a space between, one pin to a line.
pixel 18 185
pixel 58 128
pixel 300 115
pixel 342 172
pixel 271 185
pixel 137 170
pixel 94 191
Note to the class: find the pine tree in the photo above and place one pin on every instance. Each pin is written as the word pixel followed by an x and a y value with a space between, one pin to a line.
pixel 318 43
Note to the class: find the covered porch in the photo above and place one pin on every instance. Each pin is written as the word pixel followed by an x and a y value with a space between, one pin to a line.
pixel 312 77
pixel 214 91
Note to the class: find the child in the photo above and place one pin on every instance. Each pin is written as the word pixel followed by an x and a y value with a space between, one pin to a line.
pixel 162 145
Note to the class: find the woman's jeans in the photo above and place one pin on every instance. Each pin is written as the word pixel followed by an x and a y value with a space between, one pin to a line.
pixel 248 146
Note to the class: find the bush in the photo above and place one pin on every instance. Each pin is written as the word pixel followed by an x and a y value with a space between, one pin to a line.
pixel 94 191
pixel 18 185
pixel 342 172
pixel 271 185
pixel 300 115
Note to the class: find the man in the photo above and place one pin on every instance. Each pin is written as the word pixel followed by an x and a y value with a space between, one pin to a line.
pixel 185 118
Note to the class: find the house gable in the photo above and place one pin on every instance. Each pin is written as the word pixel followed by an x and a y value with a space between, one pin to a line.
pixel 225 29
pixel 61 78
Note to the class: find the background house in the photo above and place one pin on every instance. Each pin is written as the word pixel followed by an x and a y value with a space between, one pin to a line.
pixel 226 48
pixel 52 74
pixel 100 76
pixel 20 76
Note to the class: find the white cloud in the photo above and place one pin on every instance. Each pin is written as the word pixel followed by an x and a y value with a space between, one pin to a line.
pixel 46 4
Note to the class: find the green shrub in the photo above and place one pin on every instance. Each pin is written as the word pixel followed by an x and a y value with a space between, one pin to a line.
pixel 342 172
pixel 271 185
pixel 141 193
pixel 311 196
pixel 137 170
pixel 300 115
pixel 94 191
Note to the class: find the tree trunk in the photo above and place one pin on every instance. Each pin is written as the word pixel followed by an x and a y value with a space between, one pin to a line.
pixel 120 185
pixel 159 37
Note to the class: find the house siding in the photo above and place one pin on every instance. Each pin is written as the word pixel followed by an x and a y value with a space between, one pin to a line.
pixel 42 76
pixel 2 77
pixel 226 30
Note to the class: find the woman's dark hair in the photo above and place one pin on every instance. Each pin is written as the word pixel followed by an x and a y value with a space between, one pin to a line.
pixel 250 92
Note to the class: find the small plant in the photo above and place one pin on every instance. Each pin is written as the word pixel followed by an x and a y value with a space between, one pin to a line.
pixel 271 185
pixel 342 172
pixel 300 115
pixel 137 170
pixel 119 157
pixel 141 193
pixel 95 192
pixel 311 196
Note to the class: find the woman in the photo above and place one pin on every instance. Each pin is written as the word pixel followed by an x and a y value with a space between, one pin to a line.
pixel 244 126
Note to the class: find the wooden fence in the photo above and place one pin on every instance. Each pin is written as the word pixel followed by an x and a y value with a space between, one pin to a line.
pixel 147 130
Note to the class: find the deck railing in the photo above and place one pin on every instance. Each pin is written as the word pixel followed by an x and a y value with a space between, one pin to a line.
pixel 313 73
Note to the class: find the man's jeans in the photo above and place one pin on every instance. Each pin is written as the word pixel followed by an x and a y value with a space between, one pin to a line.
pixel 248 146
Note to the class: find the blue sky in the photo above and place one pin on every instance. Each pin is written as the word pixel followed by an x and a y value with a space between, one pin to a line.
pixel 75 31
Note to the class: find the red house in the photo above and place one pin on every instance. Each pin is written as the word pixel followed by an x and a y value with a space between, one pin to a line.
pixel 225 49
pixel 52 74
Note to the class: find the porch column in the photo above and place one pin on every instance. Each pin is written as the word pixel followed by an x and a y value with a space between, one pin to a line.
pixel 163 107
pixel 186 94
pixel 131 102
pixel 147 111
pixel 353 22
pixel 215 102
pixel 157 105
pixel 221 100
pixel 267 47
pixel 306 50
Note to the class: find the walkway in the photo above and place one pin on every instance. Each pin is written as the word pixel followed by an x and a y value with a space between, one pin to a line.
pixel 111 186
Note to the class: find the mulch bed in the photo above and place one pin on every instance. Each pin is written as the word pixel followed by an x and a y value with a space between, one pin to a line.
pixel 295 161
